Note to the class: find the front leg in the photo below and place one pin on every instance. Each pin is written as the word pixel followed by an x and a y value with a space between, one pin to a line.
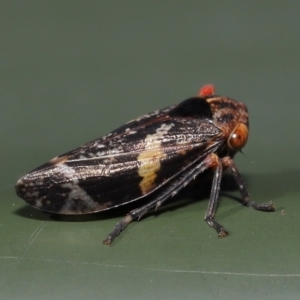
pixel 269 206
pixel 212 161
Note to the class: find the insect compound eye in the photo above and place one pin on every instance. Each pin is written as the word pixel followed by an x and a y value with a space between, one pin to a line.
pixel 238 137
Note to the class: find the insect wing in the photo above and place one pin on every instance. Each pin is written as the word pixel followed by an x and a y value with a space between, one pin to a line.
pixel 123 166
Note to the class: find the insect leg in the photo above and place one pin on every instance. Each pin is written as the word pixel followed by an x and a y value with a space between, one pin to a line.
pixel 228 162
pixel 212 161
pixel 168 192
pixel 120 226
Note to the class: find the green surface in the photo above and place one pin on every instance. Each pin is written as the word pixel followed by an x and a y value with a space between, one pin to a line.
pixel 72 71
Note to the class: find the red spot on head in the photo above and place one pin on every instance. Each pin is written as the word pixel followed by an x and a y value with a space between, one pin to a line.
pixel 206 90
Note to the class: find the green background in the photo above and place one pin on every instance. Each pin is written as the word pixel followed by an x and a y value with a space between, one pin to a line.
pixel 71 71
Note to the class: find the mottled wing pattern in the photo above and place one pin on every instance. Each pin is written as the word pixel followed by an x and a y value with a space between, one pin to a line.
pixel 129 163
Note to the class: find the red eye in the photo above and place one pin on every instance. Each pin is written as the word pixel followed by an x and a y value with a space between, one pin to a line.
pixel 238 137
